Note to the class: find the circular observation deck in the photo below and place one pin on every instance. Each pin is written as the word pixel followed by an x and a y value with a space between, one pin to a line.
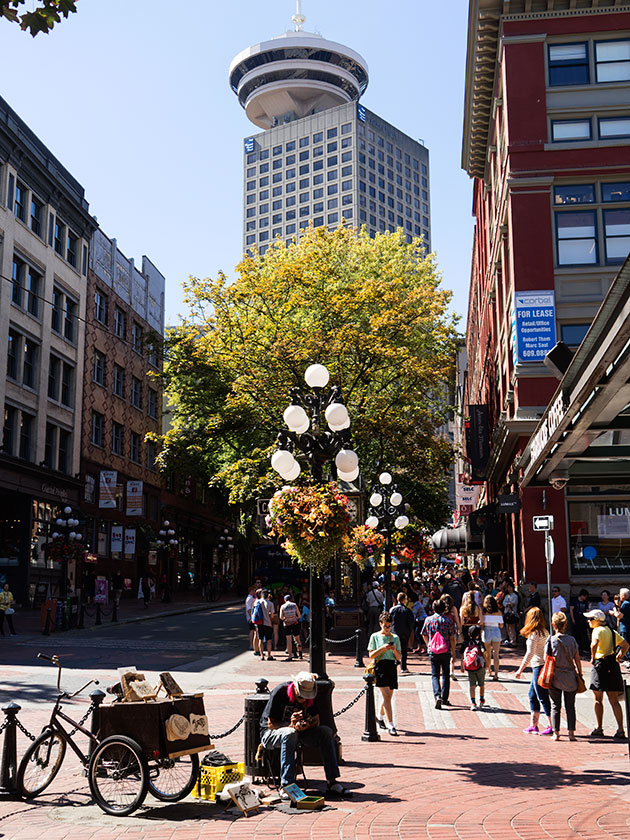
pixel 294 75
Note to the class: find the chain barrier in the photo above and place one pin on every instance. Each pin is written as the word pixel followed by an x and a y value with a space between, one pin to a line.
pixel 341 641
pixel 22 729
pixel 229 732
pixel 351 703
pixel 105 612
pixel 4 726
pixel 91 708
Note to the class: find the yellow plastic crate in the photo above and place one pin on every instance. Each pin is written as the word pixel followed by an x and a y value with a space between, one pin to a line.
pixel 212 780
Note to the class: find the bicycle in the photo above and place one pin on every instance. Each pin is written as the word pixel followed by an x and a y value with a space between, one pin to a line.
pixel 118 771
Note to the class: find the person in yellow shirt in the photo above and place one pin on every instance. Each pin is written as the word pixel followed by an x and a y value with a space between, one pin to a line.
pixel 606 674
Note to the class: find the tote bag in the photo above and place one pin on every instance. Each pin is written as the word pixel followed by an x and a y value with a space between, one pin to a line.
pixel 545 678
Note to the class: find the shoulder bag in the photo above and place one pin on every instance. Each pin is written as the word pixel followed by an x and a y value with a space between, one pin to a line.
pixel 369 669
pixel 581 685
pixel 545 677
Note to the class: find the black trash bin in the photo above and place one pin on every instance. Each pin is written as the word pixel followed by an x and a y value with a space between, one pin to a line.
pixel 254 706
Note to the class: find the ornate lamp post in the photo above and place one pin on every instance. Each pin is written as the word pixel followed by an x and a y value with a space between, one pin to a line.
pixel 385 514
pixel 318 429
pixel 66 533
pixel 166 541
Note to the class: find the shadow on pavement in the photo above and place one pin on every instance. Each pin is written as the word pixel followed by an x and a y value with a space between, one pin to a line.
pixel 531 776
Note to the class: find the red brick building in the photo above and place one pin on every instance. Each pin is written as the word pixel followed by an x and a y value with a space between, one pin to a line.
pixel 547 141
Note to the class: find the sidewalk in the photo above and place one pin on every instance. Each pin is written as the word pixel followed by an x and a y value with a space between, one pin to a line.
pixel 452 773
pixel 28 622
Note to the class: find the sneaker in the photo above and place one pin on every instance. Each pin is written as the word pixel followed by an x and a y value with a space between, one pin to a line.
pixel 284 796
pixel 392 730
pixel 473 707
pixel 405 671
pixel 547 731
pixel 438 702
pixel 531 730
pixel 256 653
pixel 270 658
pixel 380 722
pixel 446 703
pixel 482 702
pixel 289 659
pixel 597 733
pixel 620 735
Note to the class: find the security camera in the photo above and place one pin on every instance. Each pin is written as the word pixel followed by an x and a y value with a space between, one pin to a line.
pixel 559 482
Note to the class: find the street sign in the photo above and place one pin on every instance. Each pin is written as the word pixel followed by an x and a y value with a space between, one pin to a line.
pixel 549 548
pixel 543 523
pixel 262 507
pixel 509 503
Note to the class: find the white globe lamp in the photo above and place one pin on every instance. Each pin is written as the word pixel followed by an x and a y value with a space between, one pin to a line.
pixel 401 522
pixel 292 474
pixel 385 478
pixel 346 460
pixel 396 499
pixel 337 415
pixel 375 499
pixel 295 417
pixel 348 476
pixel 317 376
pixel 371 522
pixel 282 460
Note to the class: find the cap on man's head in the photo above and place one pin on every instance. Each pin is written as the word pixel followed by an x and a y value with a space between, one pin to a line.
pixel 305 685
pixel 595 615
pixel 287 597
pixel 265 592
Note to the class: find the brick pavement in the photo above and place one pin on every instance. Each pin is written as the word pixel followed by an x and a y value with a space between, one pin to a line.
pixel 450 774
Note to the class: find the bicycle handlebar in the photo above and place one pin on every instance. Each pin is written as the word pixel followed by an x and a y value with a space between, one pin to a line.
pixel 53 659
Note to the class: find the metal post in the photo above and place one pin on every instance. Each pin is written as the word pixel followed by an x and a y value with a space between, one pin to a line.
pixel 8 787
pixel 47 623
pixel 317 652
pixel 549 555
pixel 370 733
pixel 388 571
pixel 98 614
pixel 97 696
pixel 358 662
pixel 81 624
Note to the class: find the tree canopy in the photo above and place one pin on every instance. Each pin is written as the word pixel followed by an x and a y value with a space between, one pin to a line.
pixel 371 310
pixel 41 18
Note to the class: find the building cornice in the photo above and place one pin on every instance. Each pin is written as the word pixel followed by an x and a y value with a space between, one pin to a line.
pixel 485 18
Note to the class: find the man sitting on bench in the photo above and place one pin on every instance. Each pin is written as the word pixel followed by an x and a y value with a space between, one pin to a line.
pixel 291 717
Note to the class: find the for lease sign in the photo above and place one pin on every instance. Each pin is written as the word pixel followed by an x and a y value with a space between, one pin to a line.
pixel 535 324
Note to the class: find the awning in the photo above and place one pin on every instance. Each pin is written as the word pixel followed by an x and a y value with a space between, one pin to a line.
pixel 450 539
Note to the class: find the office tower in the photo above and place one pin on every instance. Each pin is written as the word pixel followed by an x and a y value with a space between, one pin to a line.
pixel 322 157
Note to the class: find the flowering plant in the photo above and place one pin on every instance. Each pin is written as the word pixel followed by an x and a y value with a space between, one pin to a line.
pixel 365 543
pixel 312 521
pixel 412 544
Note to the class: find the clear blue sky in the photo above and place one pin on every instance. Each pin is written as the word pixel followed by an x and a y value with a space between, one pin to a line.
pixel 132 96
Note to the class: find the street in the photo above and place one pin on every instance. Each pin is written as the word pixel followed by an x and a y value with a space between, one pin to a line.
pixel 452 773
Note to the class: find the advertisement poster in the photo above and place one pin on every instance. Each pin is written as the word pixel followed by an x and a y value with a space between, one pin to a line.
pixel 535 325
pixel 134 498
pixel 117 539
pixel 130 540
pixel 107 489
pixel 466 496
pixel 153 558
pixel 100 590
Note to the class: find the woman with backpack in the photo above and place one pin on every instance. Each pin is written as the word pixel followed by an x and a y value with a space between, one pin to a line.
pixel 470 616
pixel 535 631
pixel 439 635
pixel 492 625
pixel 474 664
pixel 453 614
pixel 606 674
pixel 384 651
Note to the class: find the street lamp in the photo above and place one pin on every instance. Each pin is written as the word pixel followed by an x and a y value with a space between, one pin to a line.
pixel 66 532
pixel 167 540
pixel 385 514
pixel 318 428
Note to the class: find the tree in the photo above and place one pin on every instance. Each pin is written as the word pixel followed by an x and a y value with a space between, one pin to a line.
pixel 42 18
pixel 371 310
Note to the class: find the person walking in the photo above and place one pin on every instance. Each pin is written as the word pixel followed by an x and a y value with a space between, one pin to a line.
pixel 511 616
pixel 452 612
pixel 535 631
pixel 492 625
pixel 438 632
pixel 261 617
pixel 578 607
pixel 384 651
pixel 403 623
pixel 558 602
pixel 290 618
pixel 249 606
pixel 474 664
pixel 470 615
pixel 7 609
pixel 565 682
pixel 606 673
pixel 534 595
pixel 375 602
pixel 118 584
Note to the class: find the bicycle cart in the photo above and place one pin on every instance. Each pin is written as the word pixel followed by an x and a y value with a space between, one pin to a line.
pixel 138 748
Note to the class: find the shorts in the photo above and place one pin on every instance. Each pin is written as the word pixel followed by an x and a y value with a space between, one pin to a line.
pixel 606 675
pixel 251 625
pixel 386 673
pixel 265 632
pixel 491 634
pixel 477 678
pixel 292 630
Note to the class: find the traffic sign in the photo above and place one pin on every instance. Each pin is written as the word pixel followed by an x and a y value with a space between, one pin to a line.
pixel 543 523
pixel 549 548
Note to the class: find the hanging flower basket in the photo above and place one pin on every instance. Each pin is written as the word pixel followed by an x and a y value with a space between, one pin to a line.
pixel 412 544
pixel 365 544
pixel 311 521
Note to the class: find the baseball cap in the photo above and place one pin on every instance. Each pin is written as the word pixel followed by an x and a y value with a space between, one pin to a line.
pixel 305 684
pixel 265 592
pixel 597 615
pixel 287 597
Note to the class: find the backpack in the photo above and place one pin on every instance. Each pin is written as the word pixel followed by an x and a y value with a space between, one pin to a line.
pixel 438 643
pixel 473 658
pixel 257 616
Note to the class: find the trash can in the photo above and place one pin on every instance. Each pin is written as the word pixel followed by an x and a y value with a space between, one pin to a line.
pixel 72 611
pixel 254 706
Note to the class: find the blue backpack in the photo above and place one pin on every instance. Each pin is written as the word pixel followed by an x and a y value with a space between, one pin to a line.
pixel 257 613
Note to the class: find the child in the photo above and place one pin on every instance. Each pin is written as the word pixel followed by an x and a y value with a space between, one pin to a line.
pixel 473 661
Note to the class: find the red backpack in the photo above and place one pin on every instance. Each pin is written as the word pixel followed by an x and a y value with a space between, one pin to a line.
pixel 473 658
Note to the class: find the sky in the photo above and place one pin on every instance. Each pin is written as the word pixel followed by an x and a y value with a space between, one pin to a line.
pixel 132 97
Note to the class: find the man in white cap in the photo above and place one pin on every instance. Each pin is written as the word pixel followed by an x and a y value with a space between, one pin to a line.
pixel 291 717
pixel 606 674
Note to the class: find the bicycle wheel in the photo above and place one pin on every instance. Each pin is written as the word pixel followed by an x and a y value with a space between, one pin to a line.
pixel 40 764
pixel 171 779
pixel 118 775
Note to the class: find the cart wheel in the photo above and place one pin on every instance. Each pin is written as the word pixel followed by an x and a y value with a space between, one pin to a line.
pixel 118 775
pixel 171 779
pixel 40 764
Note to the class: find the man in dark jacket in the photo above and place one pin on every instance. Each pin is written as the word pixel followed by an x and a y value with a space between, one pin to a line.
pixel 403 623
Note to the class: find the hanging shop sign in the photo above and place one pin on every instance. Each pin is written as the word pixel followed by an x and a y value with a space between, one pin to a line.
pixel 117 539
pixel 107 489
pixel 548 426
pixel 466 497
pixel 478 441
pixel 134 498
pixel 130 540
pixel 535 325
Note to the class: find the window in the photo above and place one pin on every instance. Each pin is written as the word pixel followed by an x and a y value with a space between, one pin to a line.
pixel 117 439
pixel 98 369
pixel 69 319
pixel 50 445
pixel 63 451
pixel 346 171
pixel 136 392
pixel 119 381
pixel 136 337
pixel 150 455
pixel 98 429
pixel 27 436
pixel 17 281
pixel 20 202
pixel 346 128
pixel 611 127
pixel 134 447
pixel 573 334
pixel 33 285
pixel 579 194
pixel 152 403
pixel 29 363
pixel 8 431
pixel 57 307
pixel 71 249
pixel 332 189
pixel 37 210
pixel 616 235
pixel 576 238
pixel 12 354
pixel 318 137
pixel 264 182
pixel 568 64
pixel 67 384
pixel 304 155
pixel 277 150
pixel 152 354
pixel 563 131
pixel 120 323
pixel 59 237
pixel 616 191
pixel 54 377
pixel 290 229
pixel 612 61
pixel 100 306
pixel 332 132
pixel 332 175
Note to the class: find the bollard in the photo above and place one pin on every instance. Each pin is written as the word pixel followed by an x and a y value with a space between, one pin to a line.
pixel 47 623
pixel 254 705
pixel 98 614
pixel 8 786
pixel 97 696
pixel 115 612
pixel 370 733
pixel 359 658
pixel 81 624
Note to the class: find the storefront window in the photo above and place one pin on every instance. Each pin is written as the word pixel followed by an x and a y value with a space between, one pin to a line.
pixel 45 515
pixel 600 537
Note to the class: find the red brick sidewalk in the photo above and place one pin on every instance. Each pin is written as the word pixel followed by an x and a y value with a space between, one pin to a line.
pixel 465 776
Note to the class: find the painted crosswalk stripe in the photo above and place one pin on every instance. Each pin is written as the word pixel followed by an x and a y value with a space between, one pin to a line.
pixel 434 718
pixel 492 716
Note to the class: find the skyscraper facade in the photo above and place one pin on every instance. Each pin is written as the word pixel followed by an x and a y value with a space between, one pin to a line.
pixel 322 158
